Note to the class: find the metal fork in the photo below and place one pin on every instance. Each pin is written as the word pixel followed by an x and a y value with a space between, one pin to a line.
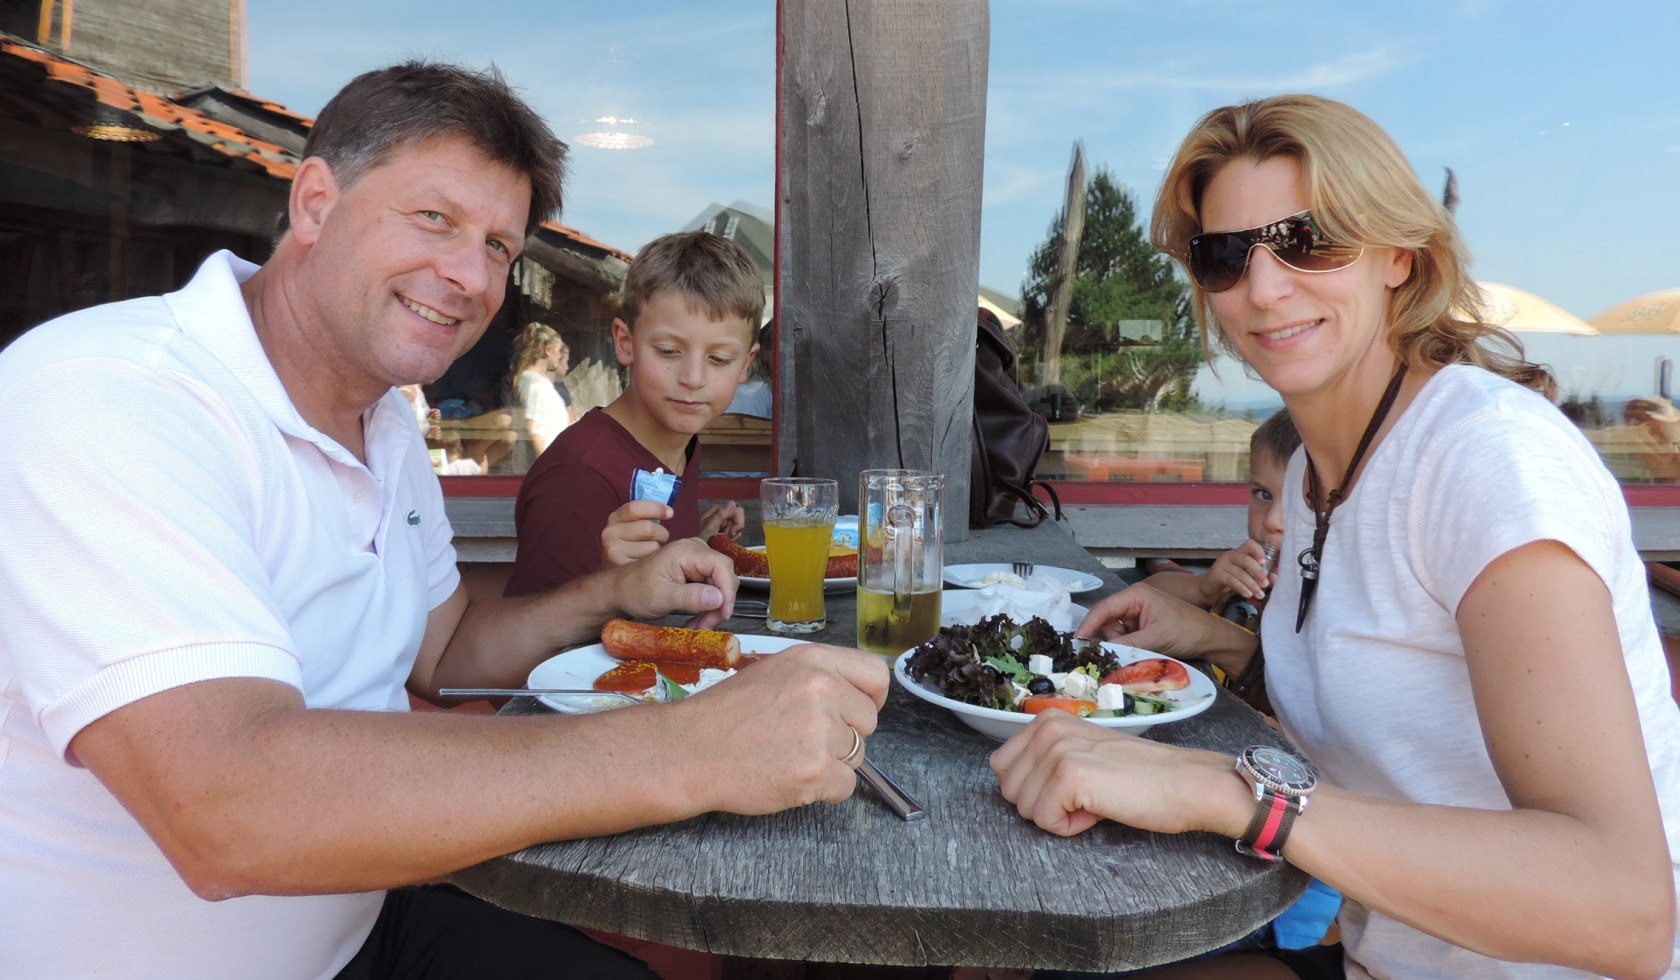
pixel 530 692
pixel 1022 568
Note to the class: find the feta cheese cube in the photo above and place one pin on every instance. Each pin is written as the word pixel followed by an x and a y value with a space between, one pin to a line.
pixel 1020 693
pixel 1110 697
pixel 1040 665
pixel 1079 684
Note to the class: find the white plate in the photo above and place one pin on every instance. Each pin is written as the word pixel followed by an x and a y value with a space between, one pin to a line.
pixel 578 668
pixel 957 607
pixel 1002 724
pixel 829 584
pixel 969 576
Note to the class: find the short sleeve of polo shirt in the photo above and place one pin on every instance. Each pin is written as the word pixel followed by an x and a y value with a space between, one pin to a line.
pixel 131 551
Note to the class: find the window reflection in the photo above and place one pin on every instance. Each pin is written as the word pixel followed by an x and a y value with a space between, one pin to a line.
pixel 1563 178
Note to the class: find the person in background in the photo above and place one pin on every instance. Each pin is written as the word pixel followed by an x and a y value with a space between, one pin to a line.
pixel 540 413
pixel 560 371
pixel 1239 579
pixel 753 397
pixel 1461 641
pixel 449 457
pixel 1656 424
pixel 226 574
pixel 424 414
pixel 686 335
pixel 1245 571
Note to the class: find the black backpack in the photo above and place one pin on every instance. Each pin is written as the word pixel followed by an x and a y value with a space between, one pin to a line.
pixel 1009 438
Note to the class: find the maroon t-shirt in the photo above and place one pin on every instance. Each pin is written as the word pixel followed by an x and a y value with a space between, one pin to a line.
pixel 564 501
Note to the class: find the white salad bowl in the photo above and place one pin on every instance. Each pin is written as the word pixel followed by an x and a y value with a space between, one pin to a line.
pixel 1195 699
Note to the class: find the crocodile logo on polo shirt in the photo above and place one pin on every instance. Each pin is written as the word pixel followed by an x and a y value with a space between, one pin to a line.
pixel 413 518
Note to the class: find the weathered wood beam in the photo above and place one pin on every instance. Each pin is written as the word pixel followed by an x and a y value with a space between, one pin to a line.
pixel 882 131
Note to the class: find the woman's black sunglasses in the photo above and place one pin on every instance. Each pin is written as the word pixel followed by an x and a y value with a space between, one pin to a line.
pixel 1219 258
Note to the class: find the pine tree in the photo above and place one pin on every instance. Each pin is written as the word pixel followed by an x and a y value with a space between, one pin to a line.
pixel 1119 277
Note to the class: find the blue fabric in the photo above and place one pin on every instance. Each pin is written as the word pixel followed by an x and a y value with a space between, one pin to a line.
pixel 1303 924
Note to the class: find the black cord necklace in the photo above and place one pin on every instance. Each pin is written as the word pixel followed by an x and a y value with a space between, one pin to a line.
pixel 1322 506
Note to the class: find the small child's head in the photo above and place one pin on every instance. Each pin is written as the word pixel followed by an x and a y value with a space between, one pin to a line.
pixel 1269 449
pixel 687 327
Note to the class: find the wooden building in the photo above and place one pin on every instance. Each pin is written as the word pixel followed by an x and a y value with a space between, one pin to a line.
pixel 129 151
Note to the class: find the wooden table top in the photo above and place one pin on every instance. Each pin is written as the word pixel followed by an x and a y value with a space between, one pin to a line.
pixel 972 884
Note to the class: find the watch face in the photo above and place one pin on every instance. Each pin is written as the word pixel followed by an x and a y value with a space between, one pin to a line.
pixel 1278 769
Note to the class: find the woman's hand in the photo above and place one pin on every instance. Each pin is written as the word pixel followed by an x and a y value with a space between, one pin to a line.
pixel 1147 618
pixel 633 531
pixel 1066 774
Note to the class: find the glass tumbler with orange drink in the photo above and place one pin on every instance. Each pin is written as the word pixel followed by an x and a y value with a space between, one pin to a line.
pixel 799 514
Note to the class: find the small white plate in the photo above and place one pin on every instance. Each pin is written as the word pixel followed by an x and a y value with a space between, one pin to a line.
pixel 969 576
pixel 957 608
pixel 839 584
pixel 1197 698
pixel 577 669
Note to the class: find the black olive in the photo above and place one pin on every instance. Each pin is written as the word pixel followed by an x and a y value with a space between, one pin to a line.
pixel 1041 685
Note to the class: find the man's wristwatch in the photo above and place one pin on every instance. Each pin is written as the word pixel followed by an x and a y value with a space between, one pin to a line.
pixel 1281 784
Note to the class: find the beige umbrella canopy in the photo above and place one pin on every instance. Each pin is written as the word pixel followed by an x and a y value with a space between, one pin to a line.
pixel 1651 313
pixel 1520 311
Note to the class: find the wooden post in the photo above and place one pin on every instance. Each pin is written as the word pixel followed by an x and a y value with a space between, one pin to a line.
pixel 1067 269
pixel 882 111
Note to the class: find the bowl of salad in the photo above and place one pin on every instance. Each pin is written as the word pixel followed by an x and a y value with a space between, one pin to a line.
pixel 995 675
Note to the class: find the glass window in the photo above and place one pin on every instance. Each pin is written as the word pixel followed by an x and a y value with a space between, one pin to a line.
pixel 1553 125
pixel 1554 131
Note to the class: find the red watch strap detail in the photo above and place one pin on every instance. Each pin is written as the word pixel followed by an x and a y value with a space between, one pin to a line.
pixel 1273 819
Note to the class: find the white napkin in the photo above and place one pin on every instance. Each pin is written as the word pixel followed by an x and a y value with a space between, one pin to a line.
pixel 1041 596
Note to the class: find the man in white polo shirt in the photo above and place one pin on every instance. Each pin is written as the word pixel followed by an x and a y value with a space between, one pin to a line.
pixel 226 570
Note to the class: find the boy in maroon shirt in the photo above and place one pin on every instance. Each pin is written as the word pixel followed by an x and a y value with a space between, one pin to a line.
pixel 686 332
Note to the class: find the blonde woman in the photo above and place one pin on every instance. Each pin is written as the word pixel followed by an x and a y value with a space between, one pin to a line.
pixel 1459 639
pixel 539 359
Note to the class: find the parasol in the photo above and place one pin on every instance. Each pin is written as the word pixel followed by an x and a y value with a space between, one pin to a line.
pixel 1657 312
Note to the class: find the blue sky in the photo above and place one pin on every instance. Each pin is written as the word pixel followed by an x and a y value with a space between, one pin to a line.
pixel 1562 119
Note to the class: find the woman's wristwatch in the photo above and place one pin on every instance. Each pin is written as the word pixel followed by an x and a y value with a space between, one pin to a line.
pixel 1281 784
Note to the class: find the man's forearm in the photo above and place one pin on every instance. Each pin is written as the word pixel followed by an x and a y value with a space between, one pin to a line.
pixel 258 795
pixel 497 641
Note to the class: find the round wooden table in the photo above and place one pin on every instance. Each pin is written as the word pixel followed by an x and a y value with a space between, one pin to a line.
pixel 972 884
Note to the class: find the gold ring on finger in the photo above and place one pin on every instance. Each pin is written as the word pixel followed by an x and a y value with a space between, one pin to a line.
pixel 857 746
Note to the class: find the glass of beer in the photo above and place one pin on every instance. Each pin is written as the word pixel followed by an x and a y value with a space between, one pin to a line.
pixel 900 558
pixel 799 514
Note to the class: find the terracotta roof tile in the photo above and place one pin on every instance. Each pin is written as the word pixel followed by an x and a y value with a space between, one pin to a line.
pixel 582 239
pixel 167 115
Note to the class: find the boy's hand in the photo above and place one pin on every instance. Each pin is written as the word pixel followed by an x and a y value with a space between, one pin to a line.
pixel 633 531
pixel 725 518
pixel 1241 570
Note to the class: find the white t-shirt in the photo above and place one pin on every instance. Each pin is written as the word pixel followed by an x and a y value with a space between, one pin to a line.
pixel 1375 689
pixel 544 409
pixel 184 523
pixel 752 397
